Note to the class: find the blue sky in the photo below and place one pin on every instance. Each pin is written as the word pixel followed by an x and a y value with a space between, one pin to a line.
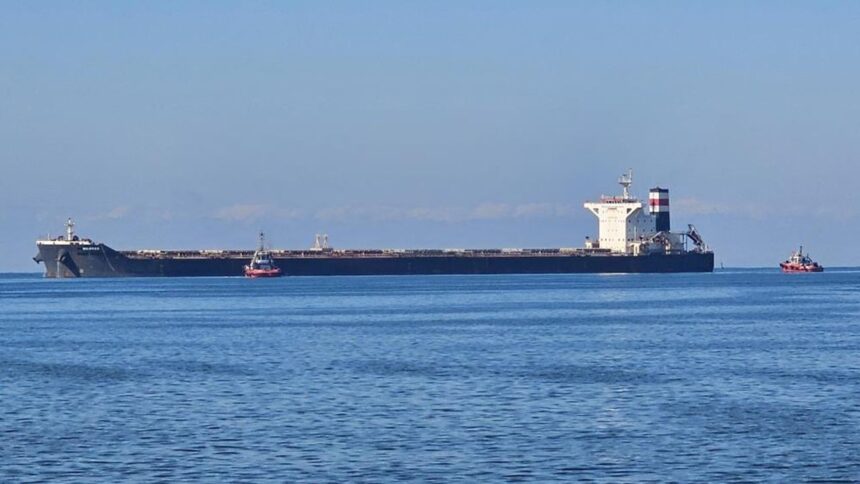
pixel 419 124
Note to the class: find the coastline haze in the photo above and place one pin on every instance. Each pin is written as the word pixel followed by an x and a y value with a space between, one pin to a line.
pixel 487 125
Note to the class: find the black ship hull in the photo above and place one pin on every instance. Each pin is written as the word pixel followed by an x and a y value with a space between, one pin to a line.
pixel 99 260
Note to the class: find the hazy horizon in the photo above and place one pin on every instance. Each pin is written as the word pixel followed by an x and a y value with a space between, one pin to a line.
pixel 451 125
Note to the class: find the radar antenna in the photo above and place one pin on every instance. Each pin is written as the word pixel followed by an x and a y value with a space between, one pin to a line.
pixel 625 181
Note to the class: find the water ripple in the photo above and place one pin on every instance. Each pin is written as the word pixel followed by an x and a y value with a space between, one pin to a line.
pixel 735 376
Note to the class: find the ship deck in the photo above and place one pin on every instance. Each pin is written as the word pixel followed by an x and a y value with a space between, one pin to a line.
pixel 362 253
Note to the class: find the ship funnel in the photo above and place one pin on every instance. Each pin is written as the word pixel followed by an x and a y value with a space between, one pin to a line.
pixel 658 202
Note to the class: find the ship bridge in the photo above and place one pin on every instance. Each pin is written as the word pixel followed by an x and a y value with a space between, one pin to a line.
pixel 70 238
pixel 627 225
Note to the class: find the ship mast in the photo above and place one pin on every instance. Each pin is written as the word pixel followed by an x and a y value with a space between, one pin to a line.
pixel 625 181
pixel 70 229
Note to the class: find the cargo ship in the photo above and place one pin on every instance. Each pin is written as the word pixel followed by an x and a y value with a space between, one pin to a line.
pixel 634 236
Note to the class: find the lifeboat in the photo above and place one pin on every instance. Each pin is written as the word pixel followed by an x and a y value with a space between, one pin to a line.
pixel 262 264
pixel 800 262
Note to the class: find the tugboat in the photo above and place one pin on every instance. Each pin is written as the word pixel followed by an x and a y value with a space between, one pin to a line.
pixel 262 264
pixel 800 262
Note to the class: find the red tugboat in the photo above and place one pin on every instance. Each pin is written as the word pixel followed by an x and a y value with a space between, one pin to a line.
pixel 262 264
pixel 800 262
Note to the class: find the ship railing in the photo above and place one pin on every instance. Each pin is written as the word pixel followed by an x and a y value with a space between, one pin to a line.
pixel 368 253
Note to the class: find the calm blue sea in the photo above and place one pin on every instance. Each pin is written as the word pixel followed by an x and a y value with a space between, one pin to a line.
pixel 736 375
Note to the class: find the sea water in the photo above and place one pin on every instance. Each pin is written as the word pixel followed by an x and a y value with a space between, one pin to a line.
pixel 736 375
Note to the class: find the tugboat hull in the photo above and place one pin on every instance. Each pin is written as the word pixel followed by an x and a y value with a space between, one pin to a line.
pixel 789 268
pixel 262 273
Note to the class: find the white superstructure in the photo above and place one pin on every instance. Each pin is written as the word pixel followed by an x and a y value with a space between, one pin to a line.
pixel 69 239
pixel 627 225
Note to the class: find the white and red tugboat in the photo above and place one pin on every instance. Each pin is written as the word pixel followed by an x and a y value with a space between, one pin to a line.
pixel 800 262
pixel 262 264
